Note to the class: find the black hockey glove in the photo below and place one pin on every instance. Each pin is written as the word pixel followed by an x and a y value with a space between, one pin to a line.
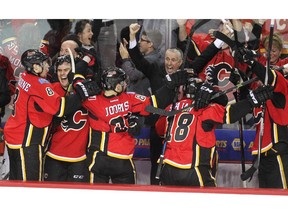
pixel 245 55
pixel 234 76
pixel 203 96
pixel 134 126
pixel 87 88
pixel 260 95
pixel 85 52
pixel 89 53
pixel 176 79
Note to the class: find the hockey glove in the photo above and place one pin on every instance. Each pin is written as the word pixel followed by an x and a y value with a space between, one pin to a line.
pixel 234 76
pixel 176 79
pixel 134 126
pixel 245 55
pixel 260 95
pixel 87 55
pixel 87 88
pixel 203 96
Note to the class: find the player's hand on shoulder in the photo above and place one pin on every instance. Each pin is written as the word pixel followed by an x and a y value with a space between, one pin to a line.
pixel 87 88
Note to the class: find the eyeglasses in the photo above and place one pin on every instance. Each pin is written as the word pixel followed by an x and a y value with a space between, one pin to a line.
pixel 141 39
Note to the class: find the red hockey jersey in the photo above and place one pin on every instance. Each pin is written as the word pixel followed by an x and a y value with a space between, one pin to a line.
pixel 189 144
pixel 109 117
pixel 274 117
pixel 70 138
pixel 35 103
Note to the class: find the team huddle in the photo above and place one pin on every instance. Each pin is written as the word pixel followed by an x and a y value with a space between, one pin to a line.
pixel 81 127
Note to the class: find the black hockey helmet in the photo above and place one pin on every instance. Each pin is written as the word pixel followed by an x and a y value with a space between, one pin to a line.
pixel 111 77
pixel 61 59
pixel 32 56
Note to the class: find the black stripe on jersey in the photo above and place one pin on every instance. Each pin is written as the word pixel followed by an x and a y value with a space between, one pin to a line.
pixel 236 111
pixel 68 105
pixel 202 156
pixel 99 141
pixel 34 135
pixel 164 96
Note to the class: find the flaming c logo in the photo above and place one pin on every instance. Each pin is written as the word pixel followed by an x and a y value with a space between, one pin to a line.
pixel 223 71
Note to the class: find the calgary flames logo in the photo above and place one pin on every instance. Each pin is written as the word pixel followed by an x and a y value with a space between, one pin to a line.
pixel 220 73
pixel 75 122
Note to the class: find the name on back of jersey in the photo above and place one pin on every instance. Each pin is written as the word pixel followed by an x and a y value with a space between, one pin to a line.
pixel 117 108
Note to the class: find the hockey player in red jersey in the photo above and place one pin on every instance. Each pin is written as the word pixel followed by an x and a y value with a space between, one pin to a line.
pixel 113 124
pixel 190 153
pixel 65 159
pixel 273 166
pixel 35 103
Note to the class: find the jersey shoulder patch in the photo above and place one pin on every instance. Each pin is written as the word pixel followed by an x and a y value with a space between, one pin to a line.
pixel 42 81
pixel 140 97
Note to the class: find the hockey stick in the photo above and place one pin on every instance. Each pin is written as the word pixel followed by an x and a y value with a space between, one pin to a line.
pixel 250 172
pixel 72 60
pixel 225 39
pixel 240 122
pixel 231 43
pixel 164 112
pixel 72 67
pixel 167 137
pixel 170 118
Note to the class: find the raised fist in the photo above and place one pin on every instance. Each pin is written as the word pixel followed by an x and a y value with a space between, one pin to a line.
pixel 87 55
pixel 234 76
pixel 134 126
pixel 245 55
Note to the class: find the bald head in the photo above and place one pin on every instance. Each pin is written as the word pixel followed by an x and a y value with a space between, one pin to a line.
pixel 68 44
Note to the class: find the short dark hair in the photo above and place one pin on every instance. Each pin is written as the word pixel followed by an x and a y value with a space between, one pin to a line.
pixel 80 25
